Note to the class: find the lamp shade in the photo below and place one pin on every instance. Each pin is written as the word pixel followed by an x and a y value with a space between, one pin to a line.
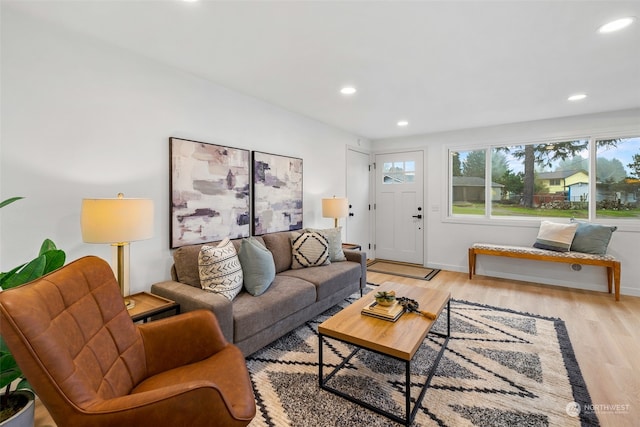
pixel 337 207
pixel 116 220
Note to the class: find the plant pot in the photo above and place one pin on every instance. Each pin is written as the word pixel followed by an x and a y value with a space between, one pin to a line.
pixel 24 418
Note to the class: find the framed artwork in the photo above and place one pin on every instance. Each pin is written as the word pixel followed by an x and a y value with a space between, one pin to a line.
pixel 210 193
pixel 277 193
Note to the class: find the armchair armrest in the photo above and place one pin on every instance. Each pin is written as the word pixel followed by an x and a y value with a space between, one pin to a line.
pixel 191 298
pixel 165 340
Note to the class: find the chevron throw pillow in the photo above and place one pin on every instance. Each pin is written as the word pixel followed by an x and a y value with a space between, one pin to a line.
pixel 309 250
pixel 220 269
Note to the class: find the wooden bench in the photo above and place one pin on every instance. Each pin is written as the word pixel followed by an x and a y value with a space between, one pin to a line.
pixel 524 252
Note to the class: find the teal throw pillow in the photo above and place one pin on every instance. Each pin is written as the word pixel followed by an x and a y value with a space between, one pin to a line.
pixel 592 238
pixel 258 267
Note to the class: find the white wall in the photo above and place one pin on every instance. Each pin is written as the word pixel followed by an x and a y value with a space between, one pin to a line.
pixel 83 119
pixel 447 241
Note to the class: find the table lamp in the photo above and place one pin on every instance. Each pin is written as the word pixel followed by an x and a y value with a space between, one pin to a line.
pixel 337 207
pixel 117 221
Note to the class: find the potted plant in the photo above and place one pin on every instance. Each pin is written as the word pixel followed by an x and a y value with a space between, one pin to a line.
pixel 17 403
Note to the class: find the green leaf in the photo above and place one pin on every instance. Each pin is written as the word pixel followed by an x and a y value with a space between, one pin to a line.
pixel 31 271
pixel 9 201
pixel 55 259
pixel 9 370
pixel 4 277
pixel 24 384
pixel 47 246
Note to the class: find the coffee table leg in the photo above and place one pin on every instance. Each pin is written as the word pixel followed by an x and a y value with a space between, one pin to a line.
pixel 408 413
pixel 320 360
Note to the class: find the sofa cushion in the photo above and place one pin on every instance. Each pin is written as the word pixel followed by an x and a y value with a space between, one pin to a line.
pixel 286 296
pixel 328 279
pixel 280 246
pixel 592 238
pixel 555 237
pixel 220 269
pixel 309 250
pixel 258 268
pixel 334 237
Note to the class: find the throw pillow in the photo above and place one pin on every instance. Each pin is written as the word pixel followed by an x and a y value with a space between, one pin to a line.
pixel 555 237
pixel 220 269
pixel 309 250
pixel 592 238
pixel 334 237
pixel 258 268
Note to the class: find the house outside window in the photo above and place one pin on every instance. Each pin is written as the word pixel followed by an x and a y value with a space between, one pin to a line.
pixel 548 179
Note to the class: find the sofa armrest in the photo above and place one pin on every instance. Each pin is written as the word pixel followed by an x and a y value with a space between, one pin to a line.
pixel 361 258
pixel 191 298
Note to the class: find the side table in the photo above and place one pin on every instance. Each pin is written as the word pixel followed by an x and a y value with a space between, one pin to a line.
pixel 148 305
pixel 351 246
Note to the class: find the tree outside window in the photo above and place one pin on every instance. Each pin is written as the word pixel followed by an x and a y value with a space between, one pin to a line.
pixel 550 179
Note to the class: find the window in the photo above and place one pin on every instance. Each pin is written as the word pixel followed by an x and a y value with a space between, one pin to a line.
pixel 618 178
pixel 400 172
pixel 549 179
pixel 468 182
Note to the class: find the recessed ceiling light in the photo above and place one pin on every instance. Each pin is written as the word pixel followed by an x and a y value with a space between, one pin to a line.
pixel 348 90
pixel 403 123
pixel 577 97
pixel 616 25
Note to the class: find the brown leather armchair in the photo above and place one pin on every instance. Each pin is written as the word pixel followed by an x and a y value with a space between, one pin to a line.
pixel 90 364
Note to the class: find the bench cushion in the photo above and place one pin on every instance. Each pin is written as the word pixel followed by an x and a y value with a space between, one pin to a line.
pixel 535 251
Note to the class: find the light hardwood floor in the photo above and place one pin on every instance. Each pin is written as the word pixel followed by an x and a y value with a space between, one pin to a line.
pixel 605 334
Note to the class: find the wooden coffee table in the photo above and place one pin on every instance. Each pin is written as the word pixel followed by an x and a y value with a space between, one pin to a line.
pixel 399 340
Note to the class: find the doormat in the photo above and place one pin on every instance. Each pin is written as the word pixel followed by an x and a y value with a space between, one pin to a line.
pixel 501 368
pixel 399 269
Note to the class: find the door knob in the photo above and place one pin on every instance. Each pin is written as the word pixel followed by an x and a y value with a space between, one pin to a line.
pixel 350 213
pixel 417 216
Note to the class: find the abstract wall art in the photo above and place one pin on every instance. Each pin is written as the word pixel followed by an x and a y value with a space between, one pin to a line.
pixel 277 193
pixel 210 192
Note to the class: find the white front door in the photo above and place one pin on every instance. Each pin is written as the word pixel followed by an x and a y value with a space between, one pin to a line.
pixel 358 195
pixel 399 207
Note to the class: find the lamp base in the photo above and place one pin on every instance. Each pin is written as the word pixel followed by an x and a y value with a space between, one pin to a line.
pixel 129 303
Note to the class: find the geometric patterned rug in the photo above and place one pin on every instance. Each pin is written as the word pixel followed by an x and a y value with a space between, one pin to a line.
pixel 500 368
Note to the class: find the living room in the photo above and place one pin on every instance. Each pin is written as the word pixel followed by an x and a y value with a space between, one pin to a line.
pixel 82 118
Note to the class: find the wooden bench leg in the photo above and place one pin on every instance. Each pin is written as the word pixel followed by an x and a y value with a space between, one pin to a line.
pixel 472 263
pixel 610 278
pixel 616 279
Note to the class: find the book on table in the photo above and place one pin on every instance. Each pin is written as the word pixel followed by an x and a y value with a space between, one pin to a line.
pixel 390 313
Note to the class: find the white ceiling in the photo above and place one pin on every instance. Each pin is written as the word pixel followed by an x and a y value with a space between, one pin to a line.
pixel 441 65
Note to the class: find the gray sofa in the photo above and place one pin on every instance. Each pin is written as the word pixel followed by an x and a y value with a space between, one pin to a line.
pixel 294 297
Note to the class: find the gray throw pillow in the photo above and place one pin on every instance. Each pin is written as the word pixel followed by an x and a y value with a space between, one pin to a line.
pixel 334 237
pixel 258 267
pixel 592 238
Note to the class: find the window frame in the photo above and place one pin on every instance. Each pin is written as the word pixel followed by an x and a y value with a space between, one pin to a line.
pixel 624 224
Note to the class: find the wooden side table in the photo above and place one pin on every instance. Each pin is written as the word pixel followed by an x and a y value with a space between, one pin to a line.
pixel 351 246
pixel 148 305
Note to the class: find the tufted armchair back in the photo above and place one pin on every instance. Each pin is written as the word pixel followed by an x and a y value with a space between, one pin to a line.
pixel 73 338
pixel 79 327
